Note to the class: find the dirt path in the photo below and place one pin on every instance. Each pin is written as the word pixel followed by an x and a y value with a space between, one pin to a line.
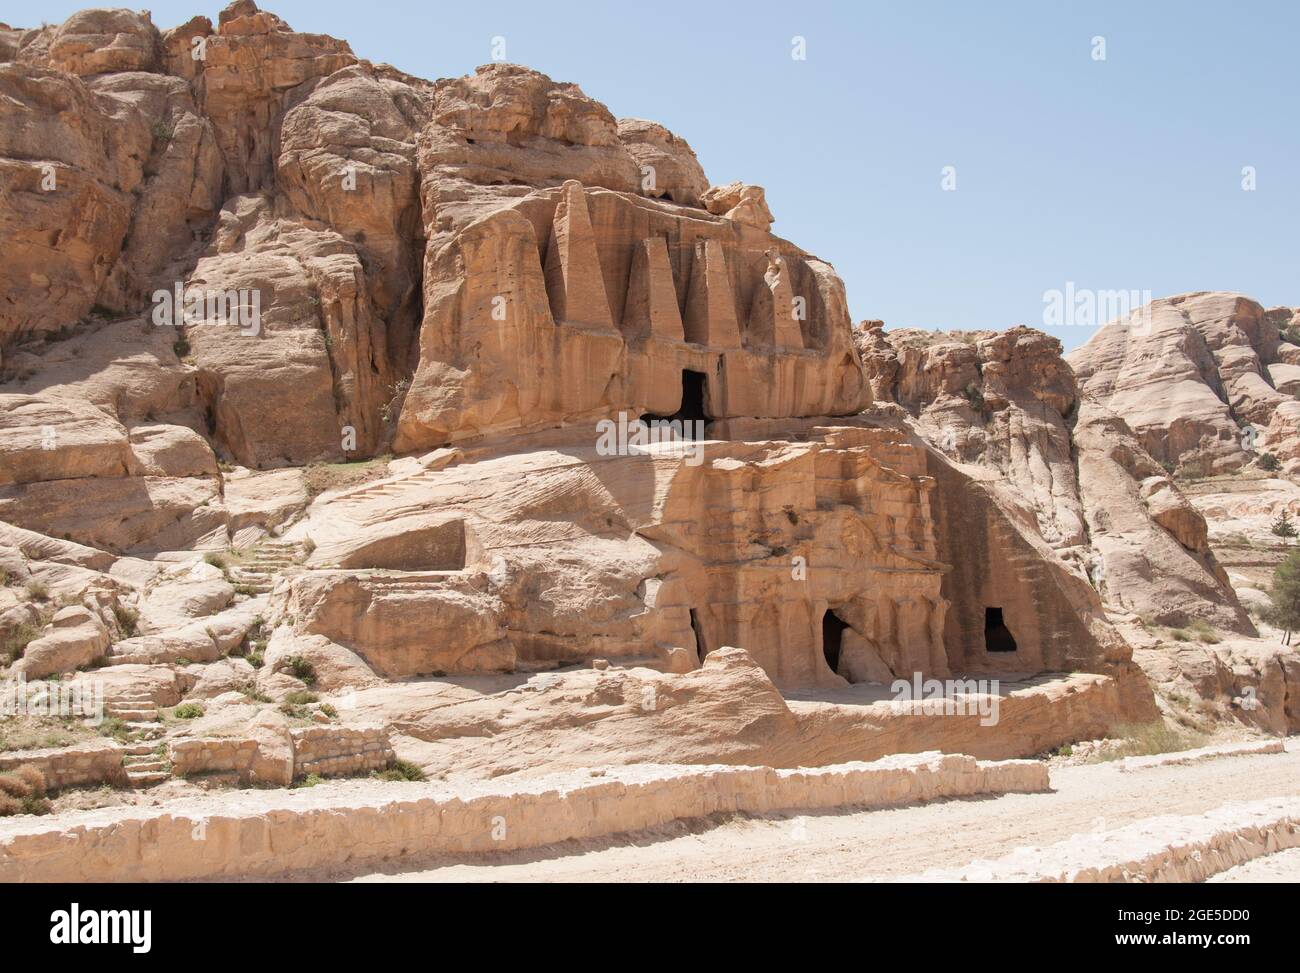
pixel 881 844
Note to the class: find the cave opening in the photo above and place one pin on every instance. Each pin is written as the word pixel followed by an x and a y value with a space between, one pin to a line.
pixel 997 637
pixel 833 628
pixel 694 393
pixel 700 649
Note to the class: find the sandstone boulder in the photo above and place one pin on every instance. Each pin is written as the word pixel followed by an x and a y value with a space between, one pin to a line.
pixel 75 637
pixel 97 41
pixel 669 167
pixel 739 202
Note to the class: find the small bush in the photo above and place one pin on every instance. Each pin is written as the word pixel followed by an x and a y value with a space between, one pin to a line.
pixel 301 697
pixel 24 781
pixel 302 669
pixel 1203 631
pixel 181 347
pixel 22 791
pixel 38 590
pixel 329 710
pixel 311 780
pixel 115 728
pixel 1269 463
pixel 400 770
pixel 1148 739
pixel 14 644
pixel 187 711
pixel 218 561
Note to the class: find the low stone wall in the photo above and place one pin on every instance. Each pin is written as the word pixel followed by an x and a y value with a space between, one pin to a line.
pixel 340 751
pixel 209 755
pixel 85 765
pixel 328 751
pixel 1170 848
pixel 259 833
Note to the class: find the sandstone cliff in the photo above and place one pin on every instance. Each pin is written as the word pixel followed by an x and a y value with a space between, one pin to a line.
pixel 1206 381
pixel 1009 402
pixel 475 274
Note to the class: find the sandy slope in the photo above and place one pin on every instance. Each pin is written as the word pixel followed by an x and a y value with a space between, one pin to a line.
pixel 882 844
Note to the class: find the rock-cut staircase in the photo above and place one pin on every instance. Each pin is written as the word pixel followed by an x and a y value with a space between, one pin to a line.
pixel 138 711
pixel 144 765
pixel 256 573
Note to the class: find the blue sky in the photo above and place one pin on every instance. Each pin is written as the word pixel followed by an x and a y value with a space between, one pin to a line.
pixel 1122 174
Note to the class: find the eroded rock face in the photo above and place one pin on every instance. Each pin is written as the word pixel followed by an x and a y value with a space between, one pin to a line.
pixel 668 164
pixel 1189 374
pixel 1108 512
pixel 484 274
pixel 854 553
pixel 436 262
pixel 1154 557
pixel 66 213
pixel 98 41
pixel 250 67
pixel 578 303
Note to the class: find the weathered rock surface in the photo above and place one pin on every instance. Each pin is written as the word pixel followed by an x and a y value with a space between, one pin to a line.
pixel 75 637
pixel 1108 512
pixel 1189 375
pixel 490 277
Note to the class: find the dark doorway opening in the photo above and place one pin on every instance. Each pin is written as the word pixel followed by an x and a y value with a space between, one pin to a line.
pixel 832 639
pixel 700 649
pixel 694 386
pixel 997 637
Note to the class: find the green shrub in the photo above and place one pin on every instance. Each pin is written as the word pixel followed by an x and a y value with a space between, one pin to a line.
pixel 15 642
pixel 187 711
pixel 302 669
pixel 115 728
pixel 400 770
pixel 38 590
pixel 301 697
